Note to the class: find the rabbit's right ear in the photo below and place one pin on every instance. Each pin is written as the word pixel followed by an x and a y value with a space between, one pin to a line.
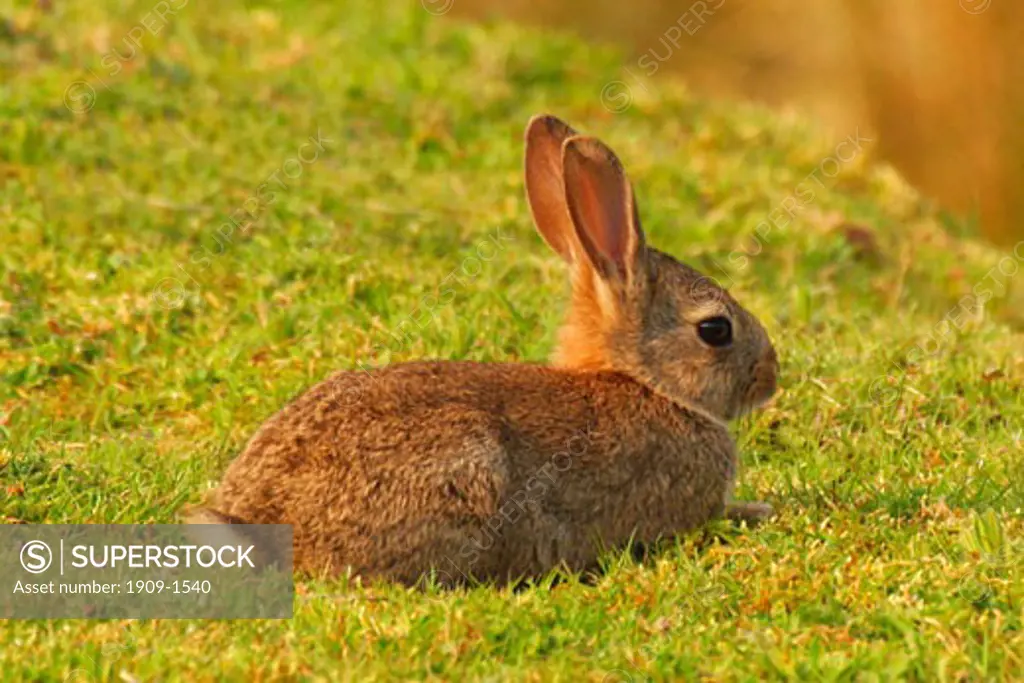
pixel 545 187
pixel 603 209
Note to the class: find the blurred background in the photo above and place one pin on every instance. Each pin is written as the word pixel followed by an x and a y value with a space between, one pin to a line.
pixel 935 83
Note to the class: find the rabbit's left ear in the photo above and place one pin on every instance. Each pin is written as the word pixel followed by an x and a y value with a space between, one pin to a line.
pixel 545 188
pixel 603 209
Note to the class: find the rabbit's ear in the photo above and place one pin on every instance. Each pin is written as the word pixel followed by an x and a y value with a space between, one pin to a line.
pixel 603 209
pixel 545 189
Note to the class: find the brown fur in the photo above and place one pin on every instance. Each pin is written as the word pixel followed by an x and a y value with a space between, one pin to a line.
pixel 498 471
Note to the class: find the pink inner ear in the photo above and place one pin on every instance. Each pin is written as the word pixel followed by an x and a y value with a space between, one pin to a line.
pixel 602 208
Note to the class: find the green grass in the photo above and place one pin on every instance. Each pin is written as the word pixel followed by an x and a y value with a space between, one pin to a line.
pixel 123 397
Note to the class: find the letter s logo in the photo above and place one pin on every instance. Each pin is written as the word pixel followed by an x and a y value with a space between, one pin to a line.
pixel 36 557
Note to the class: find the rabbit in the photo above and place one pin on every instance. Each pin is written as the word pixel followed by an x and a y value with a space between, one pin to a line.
pixel 488 471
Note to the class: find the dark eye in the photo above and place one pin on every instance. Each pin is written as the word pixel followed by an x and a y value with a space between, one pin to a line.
pixel 715 331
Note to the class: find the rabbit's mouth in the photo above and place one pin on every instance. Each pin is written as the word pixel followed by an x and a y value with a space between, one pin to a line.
pixel 767 397
pixel 760 393
pixel 758 399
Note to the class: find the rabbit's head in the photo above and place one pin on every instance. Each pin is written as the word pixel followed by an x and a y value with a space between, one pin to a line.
pixel 636 310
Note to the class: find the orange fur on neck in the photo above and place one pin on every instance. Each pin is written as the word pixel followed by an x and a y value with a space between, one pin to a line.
pixel 582 339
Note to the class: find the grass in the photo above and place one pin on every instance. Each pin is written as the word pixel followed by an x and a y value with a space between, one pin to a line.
pixel 139 348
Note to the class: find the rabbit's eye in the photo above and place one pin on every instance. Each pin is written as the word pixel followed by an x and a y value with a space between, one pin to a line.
pixel 715 331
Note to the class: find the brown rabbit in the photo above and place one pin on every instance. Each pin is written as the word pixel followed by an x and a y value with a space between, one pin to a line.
pixel 498 471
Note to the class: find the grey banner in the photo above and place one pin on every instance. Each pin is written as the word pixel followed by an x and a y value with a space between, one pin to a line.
pixel 135 571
